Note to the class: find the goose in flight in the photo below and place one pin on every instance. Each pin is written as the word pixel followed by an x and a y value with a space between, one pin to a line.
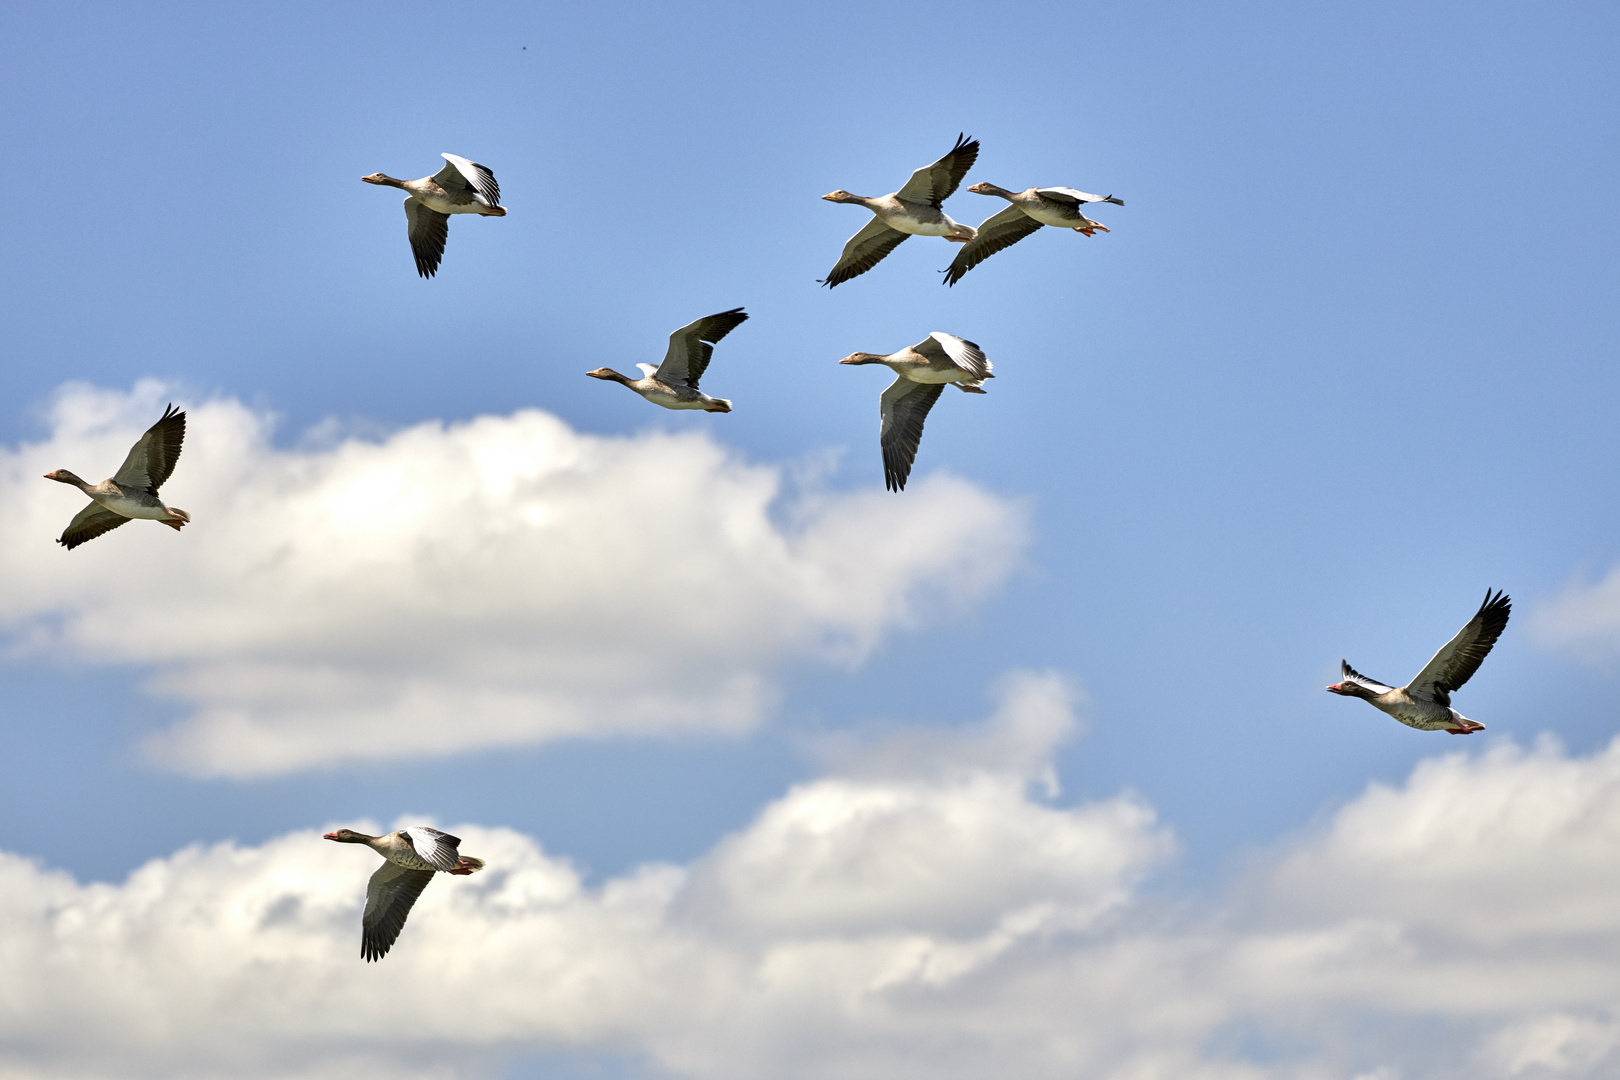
pixel 461 187
pixel 414 856
pixel 914 210
pixel 674 383
pixel 132 492
pixel 1031 208
pixel 1425 702
pixel 923 371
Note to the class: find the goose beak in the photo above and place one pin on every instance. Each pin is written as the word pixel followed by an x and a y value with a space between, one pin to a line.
pixel 329 836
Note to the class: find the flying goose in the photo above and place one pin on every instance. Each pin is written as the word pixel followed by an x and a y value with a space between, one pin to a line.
pixel 1425 702
pixel 923 371
pixel 914 210
pixel 1031 208
pixel 132 492
pixel 461 187
pixel 413 855
pixel 674 383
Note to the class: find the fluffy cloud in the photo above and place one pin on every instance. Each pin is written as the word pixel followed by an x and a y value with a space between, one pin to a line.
pixel 507 580
pixel 950 923
pixel 1584 619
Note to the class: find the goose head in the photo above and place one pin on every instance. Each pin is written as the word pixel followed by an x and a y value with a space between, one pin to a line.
pixel 841 196
pixel 609 374
pixel 383 178
pixel 347 836
pixel 989 189
pixel 1350 689
pixel 64 477
pixel 862 358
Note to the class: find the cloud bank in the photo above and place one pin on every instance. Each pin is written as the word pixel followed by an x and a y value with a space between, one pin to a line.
pixel 950 923
pixel 505 580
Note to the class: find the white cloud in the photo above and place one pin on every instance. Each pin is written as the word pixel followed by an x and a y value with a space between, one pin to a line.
pixel 1584 619
pixel 506 580
pixel 947 924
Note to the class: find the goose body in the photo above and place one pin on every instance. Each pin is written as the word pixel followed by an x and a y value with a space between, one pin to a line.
pixel 1030 210
pixel 673 384
pixel 923 370
pixel 1425 702
pixel 461 187
pixel 413 857
pixel 915 210
pixel 131 492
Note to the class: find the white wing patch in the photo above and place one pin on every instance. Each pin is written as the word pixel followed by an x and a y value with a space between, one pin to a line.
pixel 437 849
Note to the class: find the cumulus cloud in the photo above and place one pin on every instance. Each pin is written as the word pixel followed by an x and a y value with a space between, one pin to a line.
pixel 951 923
pixel 449 587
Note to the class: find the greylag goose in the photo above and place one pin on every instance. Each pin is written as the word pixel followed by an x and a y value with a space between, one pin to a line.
pixel 461 187
pixel 1425 702
pixel 1031 208
pixel 132 492
pixel 914 210
pixel 414 856
pixel 923 371
pixel 674 383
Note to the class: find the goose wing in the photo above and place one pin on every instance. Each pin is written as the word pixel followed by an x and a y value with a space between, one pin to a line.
pixel 1352 675
pixel 468 176
pixel 1071 196
pixel 428 230
pixel 1460 657
pixel 1001 230
pixel 864 250
pixel 152 458
pixel 437 849
pixel 691 347
pixel 934 184
pixel 904 406
pixel 960 352
pixel 88 524
pixel 389 896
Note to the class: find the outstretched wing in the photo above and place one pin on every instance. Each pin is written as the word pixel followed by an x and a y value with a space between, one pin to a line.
pixel 904 406
pixel 1072 197
pixel 692 346
pixel 469 176
pixel 1001 230
pixel 960 352
pixel 152 458
pixel 437 849
pixel 938 181
pixel 864 250
pixel 1352 675
pixel 428 231
pixel 1460 657
pixel 88 524
pixel 389 896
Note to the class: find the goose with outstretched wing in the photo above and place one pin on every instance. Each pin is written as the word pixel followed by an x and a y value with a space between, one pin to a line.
pixel 461 187
pixel 132 491
pixel 413 857
pixel 674 383
pixel 1425 702
pixel 923 371
pixel 1031 210
pixel 917 209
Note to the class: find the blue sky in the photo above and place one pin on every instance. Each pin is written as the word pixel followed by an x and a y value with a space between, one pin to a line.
pixel 1346 359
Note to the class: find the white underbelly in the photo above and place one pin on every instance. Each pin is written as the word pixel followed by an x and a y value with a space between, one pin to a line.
pixel 668 400
pixel 906 223
pixel 131 508
pixel 1055 218
pixel 445 206
pixel 937 375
